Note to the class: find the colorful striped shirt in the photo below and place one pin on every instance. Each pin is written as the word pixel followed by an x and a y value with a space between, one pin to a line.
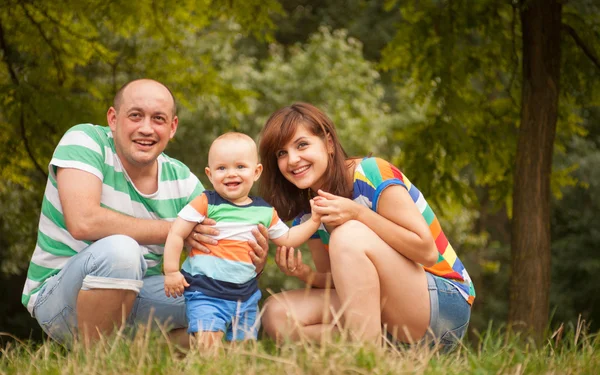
pixel 91 148
pixel 227 271
pixel 371 177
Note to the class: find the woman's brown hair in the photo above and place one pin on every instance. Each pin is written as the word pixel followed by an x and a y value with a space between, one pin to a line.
pixel 285 197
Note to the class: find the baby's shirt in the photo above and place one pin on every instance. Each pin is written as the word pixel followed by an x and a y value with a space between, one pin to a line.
pixel 227 271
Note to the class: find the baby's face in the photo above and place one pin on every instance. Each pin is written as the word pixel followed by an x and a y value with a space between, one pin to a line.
pixel 232 169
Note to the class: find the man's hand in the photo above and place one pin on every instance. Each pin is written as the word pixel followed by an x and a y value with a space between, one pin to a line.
pixel 198 236
pixel 260 248
pixel 174 284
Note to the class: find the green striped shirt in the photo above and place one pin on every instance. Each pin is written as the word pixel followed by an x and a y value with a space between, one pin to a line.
pixel 91 148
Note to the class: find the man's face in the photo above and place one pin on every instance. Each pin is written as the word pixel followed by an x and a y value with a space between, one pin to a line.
pixel 143 125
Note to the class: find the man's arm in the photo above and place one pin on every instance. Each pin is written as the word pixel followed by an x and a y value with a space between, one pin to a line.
pixel 80 194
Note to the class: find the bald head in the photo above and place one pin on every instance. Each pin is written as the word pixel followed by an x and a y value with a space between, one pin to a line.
pixel 118 100
pixel 234 140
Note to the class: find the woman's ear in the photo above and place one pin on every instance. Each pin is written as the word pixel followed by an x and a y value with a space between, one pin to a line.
pixel 330 145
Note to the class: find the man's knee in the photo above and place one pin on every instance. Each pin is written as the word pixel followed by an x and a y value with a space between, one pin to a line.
pixel 117 262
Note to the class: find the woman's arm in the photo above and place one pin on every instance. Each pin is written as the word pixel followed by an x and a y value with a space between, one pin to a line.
pixel 397 221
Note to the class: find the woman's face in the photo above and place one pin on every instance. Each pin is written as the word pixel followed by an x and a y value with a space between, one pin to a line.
pixel 303 160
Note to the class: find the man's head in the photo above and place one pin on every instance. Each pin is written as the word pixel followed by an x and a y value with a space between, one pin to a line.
pixel 142 121
pixel 233 166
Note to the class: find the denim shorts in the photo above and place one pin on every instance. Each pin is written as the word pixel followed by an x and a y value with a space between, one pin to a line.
pixel 449 315
pixel 236 318
pixel 111 262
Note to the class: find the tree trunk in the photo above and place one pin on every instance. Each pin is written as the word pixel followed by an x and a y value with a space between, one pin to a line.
pixel 530 240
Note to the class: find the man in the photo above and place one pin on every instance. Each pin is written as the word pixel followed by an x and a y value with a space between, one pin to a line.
pixel 109 202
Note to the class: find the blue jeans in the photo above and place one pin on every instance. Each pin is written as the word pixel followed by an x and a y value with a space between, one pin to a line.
pixel 210 314
pixel 114 262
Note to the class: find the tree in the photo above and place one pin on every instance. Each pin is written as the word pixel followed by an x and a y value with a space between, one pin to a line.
pixel 462 60
pixel 530 245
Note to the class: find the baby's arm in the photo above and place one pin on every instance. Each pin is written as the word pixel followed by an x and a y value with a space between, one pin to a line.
pixel 174 280
pixel 299 234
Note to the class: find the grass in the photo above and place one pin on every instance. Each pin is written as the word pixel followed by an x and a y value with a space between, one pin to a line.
pixel 567 351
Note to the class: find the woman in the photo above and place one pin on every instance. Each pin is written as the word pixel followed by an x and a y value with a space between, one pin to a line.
pixel 380 244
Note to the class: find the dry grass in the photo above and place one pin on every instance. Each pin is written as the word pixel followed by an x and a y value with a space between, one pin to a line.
pixel 567 351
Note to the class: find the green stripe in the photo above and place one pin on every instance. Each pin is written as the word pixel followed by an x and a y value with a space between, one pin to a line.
pixel 230 213
pixel 154 271
pixel 371 171
pixel 39 273
pixel 80 154
pixel 428 215
pixel 197 191
pixel 53 214
pixel 173 170
pixel 324 236
pixel 152 256
pixel 26 297
pixel 116 180
pixel 54 247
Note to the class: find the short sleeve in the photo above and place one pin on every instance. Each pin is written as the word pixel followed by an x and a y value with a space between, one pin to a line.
pixel 277 228
pixel 82 147
pixel 196 210
pixel 376 175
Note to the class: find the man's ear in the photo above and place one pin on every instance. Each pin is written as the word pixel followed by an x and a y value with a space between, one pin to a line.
pixel 111 118
pixel 174 125
pixel 258 171
pixel 207 171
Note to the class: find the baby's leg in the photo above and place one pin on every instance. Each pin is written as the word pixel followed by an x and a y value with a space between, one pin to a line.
pixel 203 340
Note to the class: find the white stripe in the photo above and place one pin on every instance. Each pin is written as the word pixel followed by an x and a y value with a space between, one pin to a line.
pixel 189 213
pixel 48 260
pixel 234 231
pixel 117 200
pixel 76 165
pixel 154 249
pixel 110 158
pixel 151 263
pixel 220 269
pixel 51 194
pixel 362 200
pixel 80 138
pixel 421 203
pixel 177 188
pixel 31 302
pixel 278 230
pixel 53 231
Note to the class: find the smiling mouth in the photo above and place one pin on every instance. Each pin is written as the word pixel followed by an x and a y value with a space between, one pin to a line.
pixel 232 184
pixel 300 170
pixel 145 143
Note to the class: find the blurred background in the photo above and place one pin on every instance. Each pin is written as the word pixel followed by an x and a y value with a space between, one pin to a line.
pixel 435 86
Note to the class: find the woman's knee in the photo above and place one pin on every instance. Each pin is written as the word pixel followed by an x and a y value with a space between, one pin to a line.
pixel 274 314
pixel 349 239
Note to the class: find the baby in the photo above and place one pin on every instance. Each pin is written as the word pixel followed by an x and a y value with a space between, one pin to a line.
pixel 220 288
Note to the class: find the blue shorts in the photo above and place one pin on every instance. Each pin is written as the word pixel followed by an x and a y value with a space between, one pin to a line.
pixel 236 318
pixel 449 315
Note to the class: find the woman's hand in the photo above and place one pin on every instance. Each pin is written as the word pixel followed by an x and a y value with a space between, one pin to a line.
pixel 335 210
pixel 290 262
pixel 199 235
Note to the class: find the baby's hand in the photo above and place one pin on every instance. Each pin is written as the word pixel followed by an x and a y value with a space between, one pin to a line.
pixel 175 284
pixel 315 216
